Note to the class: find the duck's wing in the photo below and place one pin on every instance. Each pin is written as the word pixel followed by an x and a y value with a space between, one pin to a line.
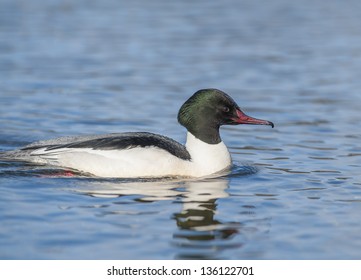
pixel 116 142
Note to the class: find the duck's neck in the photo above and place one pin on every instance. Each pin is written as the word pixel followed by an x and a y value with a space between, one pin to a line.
pixel 206 133
pixel 207 158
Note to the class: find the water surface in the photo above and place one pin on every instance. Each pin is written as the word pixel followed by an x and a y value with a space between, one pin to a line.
pixel 85 67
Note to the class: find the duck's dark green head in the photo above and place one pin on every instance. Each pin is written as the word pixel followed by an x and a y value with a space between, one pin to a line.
pixel 206 110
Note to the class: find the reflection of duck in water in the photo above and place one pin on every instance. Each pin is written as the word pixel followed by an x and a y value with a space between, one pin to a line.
pixel 197 218
pixel 144 154
pixel 199 232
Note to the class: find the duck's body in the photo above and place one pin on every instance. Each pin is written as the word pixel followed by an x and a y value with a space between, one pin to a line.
pixel 142 154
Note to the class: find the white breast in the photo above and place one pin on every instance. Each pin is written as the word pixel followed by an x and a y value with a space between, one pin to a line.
pixel 206 158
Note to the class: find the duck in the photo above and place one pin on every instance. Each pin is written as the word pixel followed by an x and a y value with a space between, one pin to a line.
pixel 145 154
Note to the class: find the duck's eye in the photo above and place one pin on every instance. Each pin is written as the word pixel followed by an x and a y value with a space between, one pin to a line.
pixel 226 109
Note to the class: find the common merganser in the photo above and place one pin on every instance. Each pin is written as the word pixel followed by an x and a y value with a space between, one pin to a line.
pixel 143 154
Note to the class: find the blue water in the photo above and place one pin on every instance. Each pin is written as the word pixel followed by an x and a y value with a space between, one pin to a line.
pixel 85 67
